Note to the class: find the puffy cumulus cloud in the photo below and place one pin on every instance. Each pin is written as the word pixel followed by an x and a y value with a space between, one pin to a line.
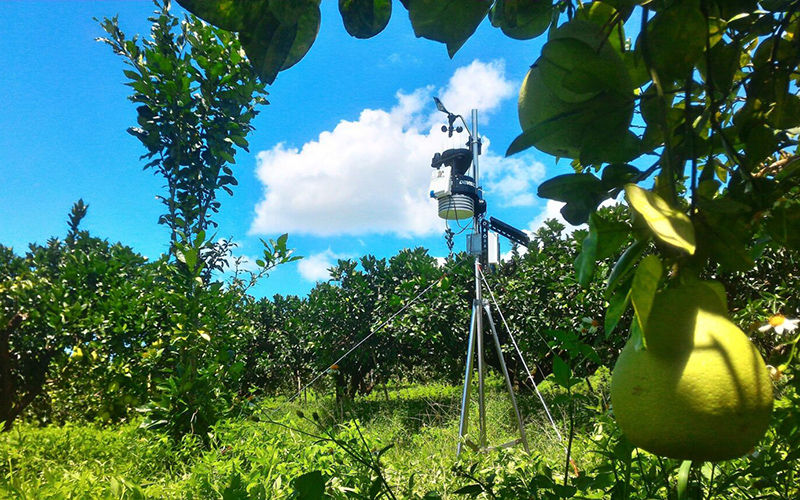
pixel 481 86
pixel 511 181
pixel 316 267
pixel 369 176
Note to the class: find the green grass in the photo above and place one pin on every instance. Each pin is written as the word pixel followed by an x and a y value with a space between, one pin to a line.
pixel 264 451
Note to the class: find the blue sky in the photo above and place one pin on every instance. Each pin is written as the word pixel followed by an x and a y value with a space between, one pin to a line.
pixel 339 159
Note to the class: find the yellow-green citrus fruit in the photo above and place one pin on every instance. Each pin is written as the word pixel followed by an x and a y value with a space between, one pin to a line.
pixel 699 390
pixel 578 95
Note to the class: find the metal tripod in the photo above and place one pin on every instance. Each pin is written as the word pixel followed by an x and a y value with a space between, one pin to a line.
pixel 475 348
pixel 475 341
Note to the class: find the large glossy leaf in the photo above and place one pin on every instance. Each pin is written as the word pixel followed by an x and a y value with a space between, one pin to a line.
pixel 365 18
pixel 281 36
pixel 624 265
pixel 643 289
pixel 611 235
pixel 569 187
pixel 586 262
pixel 723 238
pixel 562 374
pixel 604 238
pixel 582 193
pixel 449 21
pixel 723 62
pixel 667 223
pixel 617 175
pixel 231 15
pixel 522 19
pixel 617 305
pixel 309 486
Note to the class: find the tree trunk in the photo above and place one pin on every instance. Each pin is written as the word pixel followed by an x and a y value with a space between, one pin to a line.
pixel 7 390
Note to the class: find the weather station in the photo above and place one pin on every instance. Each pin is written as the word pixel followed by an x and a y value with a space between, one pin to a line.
pixel 455 185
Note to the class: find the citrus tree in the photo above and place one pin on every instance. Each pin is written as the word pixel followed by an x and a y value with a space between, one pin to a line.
pixel 196 94
pixel 72 316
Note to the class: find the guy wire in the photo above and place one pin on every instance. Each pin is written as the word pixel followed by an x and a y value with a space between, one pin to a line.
pixel 519 353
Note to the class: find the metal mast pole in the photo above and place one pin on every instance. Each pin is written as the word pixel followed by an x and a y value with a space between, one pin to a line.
pixel 478 304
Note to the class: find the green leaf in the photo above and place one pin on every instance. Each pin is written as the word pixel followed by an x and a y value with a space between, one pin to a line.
pixel 564 490
pixel 617 175
pixel 625 263
pixel 668 224
pixel 582 193
pixel 231 15
pixel 617 304
pixel 586 261
pixel 449 21
pixel 470 489
pixel 281 243
pixel 611 235
pixel 365 18
pixel 309 486
pixel 521 19
pixel 759 141
pixel 604 238
pixel 643 289
pixel 280 35
pixel 239 141
pixel 723 62
pixel 375 488
pixel 724 238
pixel 561 372
pixel 637 336
pixel 569 187
pixel 683 479
pixel 188 256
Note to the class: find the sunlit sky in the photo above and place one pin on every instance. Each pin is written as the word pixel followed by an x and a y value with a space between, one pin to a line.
pixel 340 158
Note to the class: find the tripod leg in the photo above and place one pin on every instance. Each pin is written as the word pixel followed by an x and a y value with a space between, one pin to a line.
pixel 510 388
pixel 463 423
pixel 481 371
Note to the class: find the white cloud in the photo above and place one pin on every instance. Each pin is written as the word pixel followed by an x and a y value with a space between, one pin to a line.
pixel 481 86
pixel 552 210
pixel 511 180
pixel 316 267
pixel 371 176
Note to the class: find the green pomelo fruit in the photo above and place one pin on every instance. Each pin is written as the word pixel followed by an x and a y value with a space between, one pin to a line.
pixel 567 129
pixel 578 95
pixel 699 390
